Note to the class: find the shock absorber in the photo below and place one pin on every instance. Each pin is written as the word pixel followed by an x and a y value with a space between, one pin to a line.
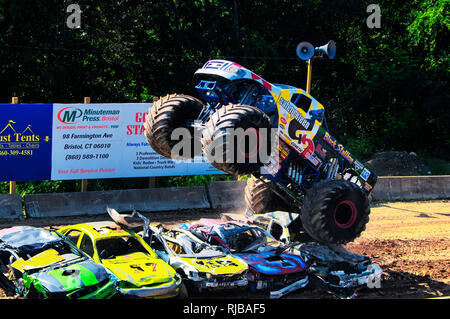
pixel 295 172
pixel 333 167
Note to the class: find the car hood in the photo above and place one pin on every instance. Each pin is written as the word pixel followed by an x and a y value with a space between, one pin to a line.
pixel 42 260
pixel 140 269
pixel 72 277
pixel 218 266
pixel 269 263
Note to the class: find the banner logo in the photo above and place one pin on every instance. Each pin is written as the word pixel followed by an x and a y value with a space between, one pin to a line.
pixel 72 115
pixel 19 142
pixel 69 115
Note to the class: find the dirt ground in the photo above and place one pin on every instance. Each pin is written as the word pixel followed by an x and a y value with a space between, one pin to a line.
pixel 409 240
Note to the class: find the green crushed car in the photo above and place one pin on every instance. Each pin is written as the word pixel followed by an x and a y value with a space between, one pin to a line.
pixel 40 263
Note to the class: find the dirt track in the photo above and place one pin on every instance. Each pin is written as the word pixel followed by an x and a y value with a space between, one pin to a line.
pixel 409 240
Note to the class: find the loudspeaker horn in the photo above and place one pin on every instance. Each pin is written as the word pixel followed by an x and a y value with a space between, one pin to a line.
pixel 328 49
pixel 305 50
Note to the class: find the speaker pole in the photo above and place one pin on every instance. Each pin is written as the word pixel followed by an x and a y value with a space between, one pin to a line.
pixel 306 52
pixel 308 77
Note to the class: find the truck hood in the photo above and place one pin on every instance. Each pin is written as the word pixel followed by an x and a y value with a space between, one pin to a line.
pixel 232 71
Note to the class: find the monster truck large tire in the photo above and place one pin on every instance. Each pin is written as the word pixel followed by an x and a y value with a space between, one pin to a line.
pixel 260 199
pixel 167 114
pixel 335 211
pixel 235 154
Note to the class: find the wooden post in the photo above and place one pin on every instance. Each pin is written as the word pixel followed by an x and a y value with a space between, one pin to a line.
pixel 84 185
pixel 84 182
pixel 12 184
pixel 12 187
pixel 152 180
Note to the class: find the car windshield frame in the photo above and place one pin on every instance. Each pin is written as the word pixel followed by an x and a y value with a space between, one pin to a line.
pixel 229 236
pixel 208 251
pixel 130 250
pixel 24 248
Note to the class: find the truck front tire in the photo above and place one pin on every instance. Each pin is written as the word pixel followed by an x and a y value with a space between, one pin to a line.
pixel 335 211
pixel 167 114
pixel 228 135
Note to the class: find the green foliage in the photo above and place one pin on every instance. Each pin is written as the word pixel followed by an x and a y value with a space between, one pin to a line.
pixel 195 180
pixel 360 146
pixel 4 187
pixel 437 166
pixel 38 187
pixel 429 29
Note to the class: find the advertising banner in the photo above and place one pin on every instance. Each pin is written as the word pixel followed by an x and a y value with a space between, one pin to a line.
pixel 82 141
pixel 25 142
pixel 107 141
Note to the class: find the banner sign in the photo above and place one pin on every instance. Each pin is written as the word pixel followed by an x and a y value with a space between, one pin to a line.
pixel 85 141
pixel 25 141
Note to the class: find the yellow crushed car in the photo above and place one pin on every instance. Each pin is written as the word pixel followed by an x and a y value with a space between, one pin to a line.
pixel 140 272
pixel 201 265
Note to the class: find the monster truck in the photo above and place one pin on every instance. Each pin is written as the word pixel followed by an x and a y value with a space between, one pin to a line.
pixel 307 171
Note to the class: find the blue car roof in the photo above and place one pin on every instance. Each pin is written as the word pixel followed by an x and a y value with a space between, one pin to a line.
pixel 28 239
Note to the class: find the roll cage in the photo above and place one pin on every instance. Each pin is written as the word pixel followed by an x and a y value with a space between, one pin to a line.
pixel 219 92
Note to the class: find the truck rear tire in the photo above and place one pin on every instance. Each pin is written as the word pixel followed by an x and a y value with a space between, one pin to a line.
pixel 335 211
pixel 260 199
pixel 167 114
pixel 229 151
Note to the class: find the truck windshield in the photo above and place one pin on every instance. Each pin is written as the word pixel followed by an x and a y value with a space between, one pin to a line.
pixel 250 93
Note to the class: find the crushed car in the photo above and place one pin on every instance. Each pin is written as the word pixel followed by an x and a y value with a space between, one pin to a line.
pixel 271 268
pixel 41 264
pixel 334 268
pixel 140 271
pixel 283 226
pixel 202 266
